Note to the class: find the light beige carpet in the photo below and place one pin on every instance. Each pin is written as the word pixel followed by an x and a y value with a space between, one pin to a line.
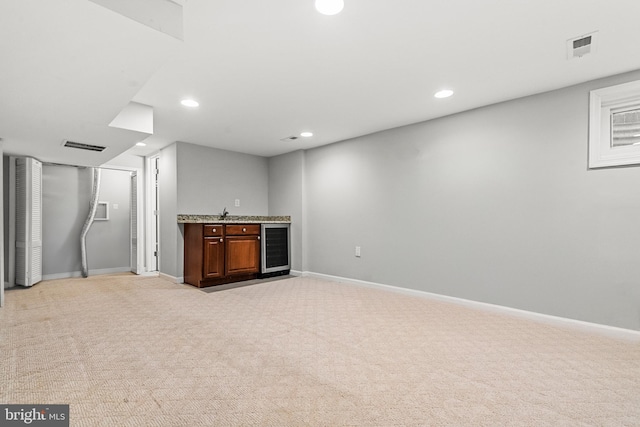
pixel 133 351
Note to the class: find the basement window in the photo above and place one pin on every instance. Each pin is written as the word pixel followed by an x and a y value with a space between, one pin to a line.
pixel 614 126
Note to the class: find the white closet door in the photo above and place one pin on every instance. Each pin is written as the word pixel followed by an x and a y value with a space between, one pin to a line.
pixel 28 221
pixel 22 225
pixel 36 221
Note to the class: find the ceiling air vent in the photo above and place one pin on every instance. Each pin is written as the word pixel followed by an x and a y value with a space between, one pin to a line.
pixel 289 138
pixel 82 146
pixel 581 46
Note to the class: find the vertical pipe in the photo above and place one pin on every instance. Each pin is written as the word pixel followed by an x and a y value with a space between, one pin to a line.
pixel 87 224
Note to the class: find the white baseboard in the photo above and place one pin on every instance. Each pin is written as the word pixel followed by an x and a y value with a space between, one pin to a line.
pixel 172 279
pixel 149 274
pixel 96 272
pixel 605 330
pixel 296 273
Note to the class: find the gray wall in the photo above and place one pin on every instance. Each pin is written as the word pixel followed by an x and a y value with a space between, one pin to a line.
pixel 170 241
pixel 493 205
pixel 201 180
pixel 109 242
pixel 66 194
pixel 210 179
pixel 286 197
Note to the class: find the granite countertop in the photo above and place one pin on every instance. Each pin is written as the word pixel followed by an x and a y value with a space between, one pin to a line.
pixel 233 219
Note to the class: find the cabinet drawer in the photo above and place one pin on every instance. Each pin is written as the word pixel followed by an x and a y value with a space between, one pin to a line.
pixel 243 229
pixel 212 230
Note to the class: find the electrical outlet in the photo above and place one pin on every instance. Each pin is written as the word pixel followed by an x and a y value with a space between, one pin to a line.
pixel 237 203
pixel 358 251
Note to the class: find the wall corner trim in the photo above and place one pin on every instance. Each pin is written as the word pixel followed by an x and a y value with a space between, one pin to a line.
pixel 172 279
pixel 562 322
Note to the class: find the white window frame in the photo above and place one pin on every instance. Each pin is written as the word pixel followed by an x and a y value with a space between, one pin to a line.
pixel 601 103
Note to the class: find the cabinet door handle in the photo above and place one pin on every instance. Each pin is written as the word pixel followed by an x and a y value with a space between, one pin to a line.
pixel 258 237
pixel 221 240
pixel 244 230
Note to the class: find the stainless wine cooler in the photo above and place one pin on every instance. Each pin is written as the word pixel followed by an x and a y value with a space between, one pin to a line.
pixel 275 250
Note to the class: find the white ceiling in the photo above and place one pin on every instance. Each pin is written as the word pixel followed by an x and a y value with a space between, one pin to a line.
pixel 265 70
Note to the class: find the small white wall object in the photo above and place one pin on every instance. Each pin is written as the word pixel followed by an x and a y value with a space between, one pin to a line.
pixel 102 211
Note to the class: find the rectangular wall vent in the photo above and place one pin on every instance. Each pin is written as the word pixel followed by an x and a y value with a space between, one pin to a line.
pixel 581 46
pixel 82 146
pixel 583 42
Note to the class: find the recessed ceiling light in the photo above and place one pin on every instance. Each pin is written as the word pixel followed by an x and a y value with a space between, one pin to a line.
pixel 141 144
pixel 306 134
pixel 189 103
pixel 329 7
pixel 445 93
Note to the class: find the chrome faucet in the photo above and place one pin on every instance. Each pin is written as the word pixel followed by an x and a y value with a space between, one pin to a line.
pixel 224 213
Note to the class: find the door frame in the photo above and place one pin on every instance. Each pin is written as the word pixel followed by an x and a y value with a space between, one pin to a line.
pixel 152 243
pixel 141 268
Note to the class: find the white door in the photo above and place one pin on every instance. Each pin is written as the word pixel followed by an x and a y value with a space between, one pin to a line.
pixel 133 221
pixel 153 236
pixel 28 221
